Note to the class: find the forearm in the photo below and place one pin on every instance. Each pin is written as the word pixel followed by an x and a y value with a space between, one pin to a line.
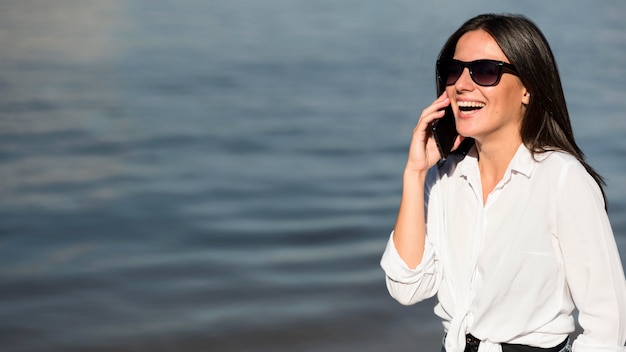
pixel 410 229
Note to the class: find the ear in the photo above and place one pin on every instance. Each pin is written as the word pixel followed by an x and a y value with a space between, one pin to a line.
pixel 526 97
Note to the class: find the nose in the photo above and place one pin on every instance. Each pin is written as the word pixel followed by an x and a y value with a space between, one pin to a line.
pixel 465 81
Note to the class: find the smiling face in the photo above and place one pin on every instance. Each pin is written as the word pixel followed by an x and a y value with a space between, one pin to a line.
pixel 488 114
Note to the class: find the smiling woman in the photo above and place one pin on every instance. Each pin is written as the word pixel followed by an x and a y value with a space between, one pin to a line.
pixel 512 234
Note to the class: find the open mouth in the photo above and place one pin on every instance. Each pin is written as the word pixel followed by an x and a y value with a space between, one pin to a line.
pixel 469 106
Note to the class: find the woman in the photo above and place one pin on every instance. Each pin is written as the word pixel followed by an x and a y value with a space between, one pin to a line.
pixel 511 235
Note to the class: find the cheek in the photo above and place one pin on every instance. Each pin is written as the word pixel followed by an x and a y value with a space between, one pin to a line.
pixel 511 101
pixel 515 93
pixel 516 102
pixel 451 92
pixel 452 96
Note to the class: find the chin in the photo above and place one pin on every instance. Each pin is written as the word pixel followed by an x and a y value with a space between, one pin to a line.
pixel 465 132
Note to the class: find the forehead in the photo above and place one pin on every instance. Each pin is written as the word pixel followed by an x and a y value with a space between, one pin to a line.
pixel 476 45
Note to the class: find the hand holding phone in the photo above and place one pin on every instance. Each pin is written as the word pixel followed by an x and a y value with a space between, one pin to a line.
pixel 444 132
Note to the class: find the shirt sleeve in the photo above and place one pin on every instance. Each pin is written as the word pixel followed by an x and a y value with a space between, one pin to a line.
pixel 591 261
pixel 409 286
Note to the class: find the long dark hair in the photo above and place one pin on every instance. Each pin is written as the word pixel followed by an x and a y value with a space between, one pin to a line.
pixel 546 124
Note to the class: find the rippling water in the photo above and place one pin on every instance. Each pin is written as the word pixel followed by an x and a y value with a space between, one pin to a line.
pixel 212 175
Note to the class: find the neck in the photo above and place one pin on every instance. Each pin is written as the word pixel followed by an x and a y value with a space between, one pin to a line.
pixel 493 160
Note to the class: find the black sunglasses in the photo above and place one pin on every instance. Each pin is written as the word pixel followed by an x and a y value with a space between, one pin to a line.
pixel 483 72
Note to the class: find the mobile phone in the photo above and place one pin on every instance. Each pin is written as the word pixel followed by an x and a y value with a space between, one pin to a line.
pixel 444 132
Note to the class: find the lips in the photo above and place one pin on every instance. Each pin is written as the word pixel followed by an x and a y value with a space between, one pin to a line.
pixel 469 106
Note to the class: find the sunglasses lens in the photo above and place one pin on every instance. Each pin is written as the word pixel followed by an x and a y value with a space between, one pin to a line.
pixel 450 71
pixel 485 73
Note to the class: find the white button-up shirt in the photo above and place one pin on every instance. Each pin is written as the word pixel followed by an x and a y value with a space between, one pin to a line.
pixel 514 269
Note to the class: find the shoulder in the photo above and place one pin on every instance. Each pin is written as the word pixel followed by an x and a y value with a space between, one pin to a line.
pixel 445 169
pixel 557 158
pixel 449 172
pixel 560 163
pixel 569 176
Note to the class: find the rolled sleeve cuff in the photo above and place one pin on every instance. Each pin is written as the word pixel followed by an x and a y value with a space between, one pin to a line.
pixel 397 270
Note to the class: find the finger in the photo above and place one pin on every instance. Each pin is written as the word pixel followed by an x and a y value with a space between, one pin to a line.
pixel 430 114
pixel 436 107
pixel 441 102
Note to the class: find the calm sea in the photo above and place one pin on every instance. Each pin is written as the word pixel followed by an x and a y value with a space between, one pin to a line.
pixel 223 175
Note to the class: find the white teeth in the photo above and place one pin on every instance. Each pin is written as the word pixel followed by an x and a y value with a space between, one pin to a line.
pixel 470 104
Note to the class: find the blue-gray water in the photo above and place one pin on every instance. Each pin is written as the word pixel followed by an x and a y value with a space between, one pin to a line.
pixel 223 175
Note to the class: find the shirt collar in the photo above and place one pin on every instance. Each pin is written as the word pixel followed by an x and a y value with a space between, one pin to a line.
pixel 523 162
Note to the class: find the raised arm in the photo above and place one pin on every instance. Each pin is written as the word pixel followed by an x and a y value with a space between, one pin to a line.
pixel 410 230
